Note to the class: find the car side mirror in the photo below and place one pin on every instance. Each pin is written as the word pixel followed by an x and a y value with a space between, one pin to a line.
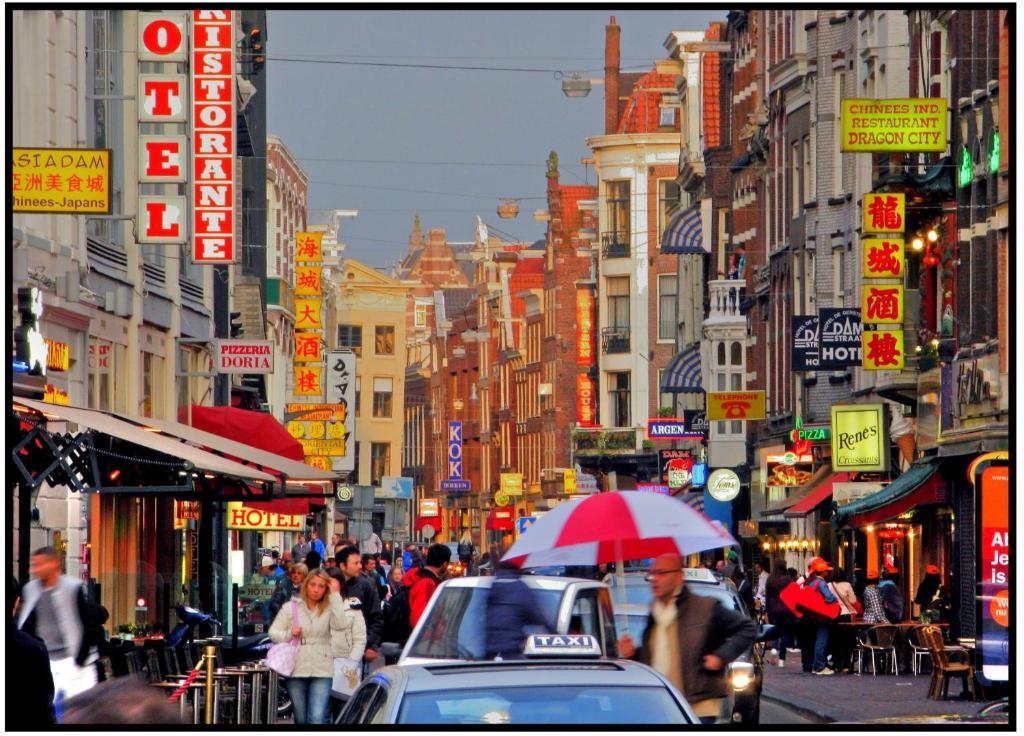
pixel 391 651
pixel 767 632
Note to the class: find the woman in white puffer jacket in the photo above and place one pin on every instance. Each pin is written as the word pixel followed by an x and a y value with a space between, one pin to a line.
pixel 326 629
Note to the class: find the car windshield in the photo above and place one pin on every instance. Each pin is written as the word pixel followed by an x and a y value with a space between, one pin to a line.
pixel 535 704
pixel 637 594
pixel 454 629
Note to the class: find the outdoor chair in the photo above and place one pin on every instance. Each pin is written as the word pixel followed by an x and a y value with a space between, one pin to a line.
pixel 878 641
pixel 918 648
pixel 104 669
pixel 943 669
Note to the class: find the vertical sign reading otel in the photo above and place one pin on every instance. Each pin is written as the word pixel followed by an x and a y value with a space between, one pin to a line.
pixel 213 136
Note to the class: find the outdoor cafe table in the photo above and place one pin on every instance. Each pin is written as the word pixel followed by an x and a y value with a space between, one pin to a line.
pixel 902 637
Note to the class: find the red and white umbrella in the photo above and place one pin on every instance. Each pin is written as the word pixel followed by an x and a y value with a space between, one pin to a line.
pixel 620 525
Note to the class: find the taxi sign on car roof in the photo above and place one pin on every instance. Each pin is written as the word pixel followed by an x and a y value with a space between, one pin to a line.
pixel 562 645
pixel 702 574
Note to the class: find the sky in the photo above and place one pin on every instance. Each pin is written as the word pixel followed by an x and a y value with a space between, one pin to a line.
pixel 445 143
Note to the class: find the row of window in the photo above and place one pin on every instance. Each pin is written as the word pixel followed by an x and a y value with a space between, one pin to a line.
pixel 617 199
pixel 351 336
pixel 617 293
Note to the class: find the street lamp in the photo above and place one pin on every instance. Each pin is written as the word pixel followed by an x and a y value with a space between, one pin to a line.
pixel 574 85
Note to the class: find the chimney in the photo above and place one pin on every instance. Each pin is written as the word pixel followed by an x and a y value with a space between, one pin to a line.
pixel 611 77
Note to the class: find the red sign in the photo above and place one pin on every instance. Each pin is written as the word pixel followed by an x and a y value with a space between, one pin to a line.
pixel 584 327
pixel 162 158
pixel 213 127
pixel 586 401
pixel 162 37
pixel 161 220
pixel 162 98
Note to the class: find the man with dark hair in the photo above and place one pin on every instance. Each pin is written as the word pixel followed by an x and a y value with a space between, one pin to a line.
pixel 512 612
pixel 359 586
pixel 317 545
pixel 56 610
pixel 423 581
pixel 32 689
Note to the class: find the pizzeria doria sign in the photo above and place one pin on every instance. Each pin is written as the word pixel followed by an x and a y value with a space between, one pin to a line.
pixel 243 356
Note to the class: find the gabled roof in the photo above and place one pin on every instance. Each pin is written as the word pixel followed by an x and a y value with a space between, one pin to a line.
pixel 456 300
pixel 642 114
pixel 572 218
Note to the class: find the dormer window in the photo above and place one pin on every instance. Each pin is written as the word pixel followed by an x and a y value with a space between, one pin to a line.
pixel 667 119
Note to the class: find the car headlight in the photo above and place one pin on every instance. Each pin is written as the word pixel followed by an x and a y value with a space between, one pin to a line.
pixel 741 674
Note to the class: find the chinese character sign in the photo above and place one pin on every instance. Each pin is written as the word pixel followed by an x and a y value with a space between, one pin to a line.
pixel 307 380
pixel 307 347
pixel 308 247
pixel 883 350
pixel 75 180
pixel 307 281
pixel 882 304
pixel 307 314
pixel 883 258
pixel 885 213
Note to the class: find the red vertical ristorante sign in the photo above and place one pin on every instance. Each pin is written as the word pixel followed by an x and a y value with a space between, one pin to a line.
pixel 213 136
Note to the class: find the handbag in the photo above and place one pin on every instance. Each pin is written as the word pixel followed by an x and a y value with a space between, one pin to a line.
pixel 282 657
pixel 790 596
pixel 811 602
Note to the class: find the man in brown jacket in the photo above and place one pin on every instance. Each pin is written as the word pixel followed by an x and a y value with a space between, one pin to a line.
pixel 690 638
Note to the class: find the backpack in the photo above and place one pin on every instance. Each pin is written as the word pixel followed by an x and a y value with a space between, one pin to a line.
pixel 892 602
pixel 397 613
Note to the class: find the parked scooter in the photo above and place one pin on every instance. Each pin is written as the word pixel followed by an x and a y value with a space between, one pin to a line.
pixel 195 625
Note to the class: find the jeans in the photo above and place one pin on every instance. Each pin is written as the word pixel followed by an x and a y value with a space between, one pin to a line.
pixel 311 698
pixel 813 644
pixel 820 645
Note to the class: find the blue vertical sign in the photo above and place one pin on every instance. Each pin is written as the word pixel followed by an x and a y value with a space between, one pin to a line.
pixel 454 450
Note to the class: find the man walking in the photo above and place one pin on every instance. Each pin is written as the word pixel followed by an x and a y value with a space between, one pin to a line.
pixel 423 581
pixel 690 639
pixel 362 587
pixel 317 545
pixel 300 549
pixel 32 689
pixel 54 609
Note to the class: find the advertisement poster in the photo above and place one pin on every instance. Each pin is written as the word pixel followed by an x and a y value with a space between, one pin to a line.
pixel 993 485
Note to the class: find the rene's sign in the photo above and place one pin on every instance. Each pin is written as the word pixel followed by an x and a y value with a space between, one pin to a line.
pixel 243 356
pixel 860 438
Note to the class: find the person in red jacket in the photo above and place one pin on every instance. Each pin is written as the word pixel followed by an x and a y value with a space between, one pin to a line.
pixel 423 581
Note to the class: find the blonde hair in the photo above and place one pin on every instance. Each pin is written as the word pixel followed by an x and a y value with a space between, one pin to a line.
pixel 324 602
pixel 299 567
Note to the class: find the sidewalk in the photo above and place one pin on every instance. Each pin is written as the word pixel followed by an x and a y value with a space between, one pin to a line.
pixel 853 698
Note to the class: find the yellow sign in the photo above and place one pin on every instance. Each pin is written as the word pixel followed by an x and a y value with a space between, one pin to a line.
pixel 569 481
pixel 882 304
pixel 183 511
pixel 319 461
pixel 307 280
pixel 882 350
pixel 307 314
pixel 884 258
pixel 314 412
pixel 307 347
pixel 512 484
pixel 895 125
pixel 58 356
pixel 885 213
pixel 502 499
pixel 308 248
pixel 860 438
pixel 332 447
pixel 241 516
pixel 743 405
pixel 54 395
pixel 63 180
pixel 307 380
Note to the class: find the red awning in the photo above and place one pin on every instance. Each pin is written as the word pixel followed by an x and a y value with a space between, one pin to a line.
pixel 932 491
pixel 501 519
pixel 816 497
pixel 255 428
pixel 285 506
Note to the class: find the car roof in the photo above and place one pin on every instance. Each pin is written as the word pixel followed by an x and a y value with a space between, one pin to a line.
pixel 543 582
pixel 546 672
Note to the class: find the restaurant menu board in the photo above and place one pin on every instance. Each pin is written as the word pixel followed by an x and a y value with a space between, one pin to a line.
pixel 993 570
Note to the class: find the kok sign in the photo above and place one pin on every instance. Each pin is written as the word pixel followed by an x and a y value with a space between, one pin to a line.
pixel 213 131
pixel 244 517
pixel 883 350
pixel 243 356
pixel 723 485
pixel 894 125
pixel 60 180
pixel 454 450
pixel 743 405
pixel 885 213
pixel 860 438
pixel 882 304
pixel 884 258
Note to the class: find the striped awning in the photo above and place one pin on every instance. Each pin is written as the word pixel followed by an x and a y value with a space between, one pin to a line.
pixel 683 373
pixel 695 500
pixel 684 234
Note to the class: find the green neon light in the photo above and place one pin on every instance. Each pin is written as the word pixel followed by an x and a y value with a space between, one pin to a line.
pixel 966 173
pixel 993 159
